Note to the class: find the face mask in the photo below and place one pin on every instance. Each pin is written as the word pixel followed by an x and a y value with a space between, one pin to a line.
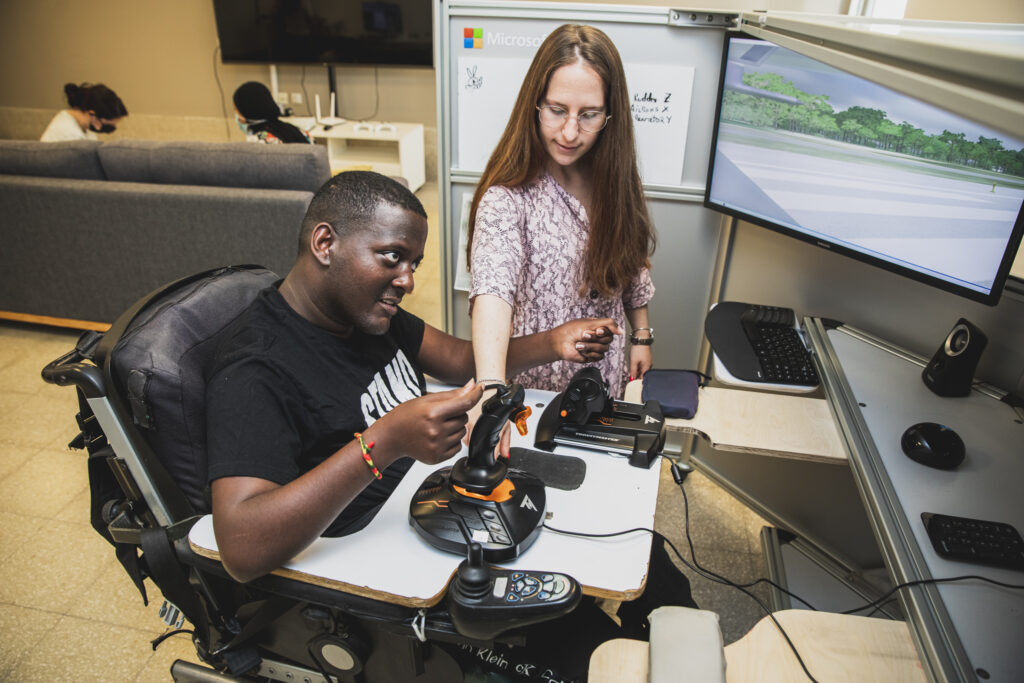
pixel 244 127
pixel 104 128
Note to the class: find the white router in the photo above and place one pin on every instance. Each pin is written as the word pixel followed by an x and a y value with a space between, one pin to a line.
pixel 330 119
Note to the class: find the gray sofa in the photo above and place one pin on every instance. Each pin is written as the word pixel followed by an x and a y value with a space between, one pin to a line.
pixel 87 228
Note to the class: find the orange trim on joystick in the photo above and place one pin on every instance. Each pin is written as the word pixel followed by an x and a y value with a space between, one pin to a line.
pixel 500 494
pixel 520 420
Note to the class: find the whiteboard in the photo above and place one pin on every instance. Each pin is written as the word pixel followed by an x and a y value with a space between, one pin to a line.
pixel 659 96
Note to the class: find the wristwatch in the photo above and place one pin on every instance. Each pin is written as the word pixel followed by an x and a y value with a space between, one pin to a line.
pixel 645 341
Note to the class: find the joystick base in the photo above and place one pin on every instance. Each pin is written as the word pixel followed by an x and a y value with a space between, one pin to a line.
pixel 505 522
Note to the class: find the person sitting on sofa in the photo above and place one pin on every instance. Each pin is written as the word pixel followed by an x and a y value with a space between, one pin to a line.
pixel 259 116
pixel 92 109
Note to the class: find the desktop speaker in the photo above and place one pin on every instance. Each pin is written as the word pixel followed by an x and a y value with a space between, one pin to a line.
pixel 950 372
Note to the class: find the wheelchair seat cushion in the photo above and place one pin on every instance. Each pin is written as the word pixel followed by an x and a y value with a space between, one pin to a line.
pixel 160 364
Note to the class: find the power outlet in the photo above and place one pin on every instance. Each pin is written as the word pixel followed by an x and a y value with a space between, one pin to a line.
pixel 296 98
pixel 282 98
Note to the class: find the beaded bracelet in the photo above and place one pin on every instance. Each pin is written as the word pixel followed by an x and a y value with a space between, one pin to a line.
pixel 366 448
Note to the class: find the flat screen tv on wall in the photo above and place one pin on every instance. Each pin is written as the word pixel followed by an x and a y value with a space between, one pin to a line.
pixel 379 32
pixel 846 164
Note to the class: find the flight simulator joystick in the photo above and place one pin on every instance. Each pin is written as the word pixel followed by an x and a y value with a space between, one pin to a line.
pixel 585 416
pixel 480 499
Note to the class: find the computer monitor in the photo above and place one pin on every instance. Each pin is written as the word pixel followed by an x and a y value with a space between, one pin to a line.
pixel 854 167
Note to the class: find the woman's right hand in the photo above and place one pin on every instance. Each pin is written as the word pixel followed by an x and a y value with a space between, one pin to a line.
pixel 585 340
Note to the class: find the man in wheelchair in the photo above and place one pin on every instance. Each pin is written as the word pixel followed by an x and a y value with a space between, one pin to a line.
pixel 327 363
pixel 254 398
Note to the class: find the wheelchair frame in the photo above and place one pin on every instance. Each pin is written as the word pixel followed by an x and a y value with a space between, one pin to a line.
pixel 272 628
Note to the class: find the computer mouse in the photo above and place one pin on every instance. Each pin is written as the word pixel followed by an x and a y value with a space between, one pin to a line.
pixel 933 445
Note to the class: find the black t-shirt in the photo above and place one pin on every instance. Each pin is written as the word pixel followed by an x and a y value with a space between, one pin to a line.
pixel 284 395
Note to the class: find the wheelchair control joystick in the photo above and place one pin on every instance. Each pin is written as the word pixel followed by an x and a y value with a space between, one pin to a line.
pixel 480 499
pixel 486 601
pixel 474 578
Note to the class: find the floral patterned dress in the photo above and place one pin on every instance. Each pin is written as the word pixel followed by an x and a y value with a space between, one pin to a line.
pixel 528 249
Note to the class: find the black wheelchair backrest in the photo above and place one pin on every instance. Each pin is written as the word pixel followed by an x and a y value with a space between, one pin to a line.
pixel 158 365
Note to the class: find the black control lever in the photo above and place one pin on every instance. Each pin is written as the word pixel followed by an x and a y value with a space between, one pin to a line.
pixel 487 601
pixel 586 397
pixel 480 471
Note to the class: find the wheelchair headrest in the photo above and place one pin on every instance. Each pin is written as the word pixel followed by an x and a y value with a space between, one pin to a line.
pixel 159 364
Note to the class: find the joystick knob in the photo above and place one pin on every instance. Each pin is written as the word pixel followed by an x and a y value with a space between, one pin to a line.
pixel 474 577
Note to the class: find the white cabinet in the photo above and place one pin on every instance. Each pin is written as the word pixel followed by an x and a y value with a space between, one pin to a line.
pixel 393 149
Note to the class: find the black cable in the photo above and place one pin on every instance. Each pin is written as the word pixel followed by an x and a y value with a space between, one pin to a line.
pixel 880 606
pixel 678 476
pixel 710 575
pixel 704 574
pixel 156 642
pixel 785 635
pixel 316 660
pixel 376 96
pixel 922 582
pixel 220 89
pixel 302 84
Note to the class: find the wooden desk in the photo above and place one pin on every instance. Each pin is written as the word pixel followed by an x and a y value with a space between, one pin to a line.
pixel 388 561
pixel 834 647
pixel 748 421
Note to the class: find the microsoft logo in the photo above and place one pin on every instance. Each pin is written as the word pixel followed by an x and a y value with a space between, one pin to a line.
pixel 473 38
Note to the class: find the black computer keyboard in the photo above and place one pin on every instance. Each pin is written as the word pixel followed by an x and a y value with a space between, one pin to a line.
pixel 758 343
pixel 975 540
pixel 784 358
pixel 773 336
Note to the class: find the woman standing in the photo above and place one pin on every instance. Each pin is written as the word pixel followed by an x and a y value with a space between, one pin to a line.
pixel 92 109
pixel 559 228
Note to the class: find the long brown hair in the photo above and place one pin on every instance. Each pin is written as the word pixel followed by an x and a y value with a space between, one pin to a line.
pixel 621 237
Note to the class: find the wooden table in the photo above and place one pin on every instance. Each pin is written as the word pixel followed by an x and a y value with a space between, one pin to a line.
pixel 749 421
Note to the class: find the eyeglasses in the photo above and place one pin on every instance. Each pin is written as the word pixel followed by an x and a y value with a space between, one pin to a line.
pixel 556 117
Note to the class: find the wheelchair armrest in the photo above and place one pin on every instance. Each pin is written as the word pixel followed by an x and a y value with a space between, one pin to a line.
pixel 685 639
pixel 69 370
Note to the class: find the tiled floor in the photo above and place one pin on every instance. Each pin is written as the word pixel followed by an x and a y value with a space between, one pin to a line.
pixel 68 612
